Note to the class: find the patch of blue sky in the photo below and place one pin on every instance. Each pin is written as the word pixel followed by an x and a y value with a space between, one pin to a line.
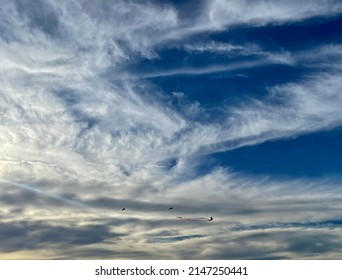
pixel 229 87
pixel 312 155
pixel 292 36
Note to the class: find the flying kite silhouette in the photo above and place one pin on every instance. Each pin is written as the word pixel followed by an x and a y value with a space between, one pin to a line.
pixel 199 219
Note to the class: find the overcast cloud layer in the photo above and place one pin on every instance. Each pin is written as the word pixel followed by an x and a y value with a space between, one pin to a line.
pixel 142 105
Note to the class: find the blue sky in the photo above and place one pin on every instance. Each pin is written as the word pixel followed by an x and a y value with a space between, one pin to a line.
pixel 224 109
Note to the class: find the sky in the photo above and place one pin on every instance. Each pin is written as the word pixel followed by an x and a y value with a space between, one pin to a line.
pixel 216 108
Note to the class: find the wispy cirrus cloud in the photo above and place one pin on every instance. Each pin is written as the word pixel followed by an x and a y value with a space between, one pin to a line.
pixel 222 48
pixel 225 13
pixel 307 106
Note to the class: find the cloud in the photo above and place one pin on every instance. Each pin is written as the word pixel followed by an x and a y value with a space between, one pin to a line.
pixel 221 48
pixel 225 13
pixel 288 110
pixel 235 202
pixel 219 15
pixel 287 244
pixel 208 69
pixel 27 235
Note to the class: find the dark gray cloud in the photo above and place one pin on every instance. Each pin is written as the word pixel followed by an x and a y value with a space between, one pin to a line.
pixel 279 244
pixel 23 235
pixel 312 244
pixel 19 197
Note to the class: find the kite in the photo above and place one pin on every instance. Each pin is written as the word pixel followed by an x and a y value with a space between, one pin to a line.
pixel 199 219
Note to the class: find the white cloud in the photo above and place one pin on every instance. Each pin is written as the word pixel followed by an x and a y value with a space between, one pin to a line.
pixel 222 48
pixel 224 13
pixel 302 107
